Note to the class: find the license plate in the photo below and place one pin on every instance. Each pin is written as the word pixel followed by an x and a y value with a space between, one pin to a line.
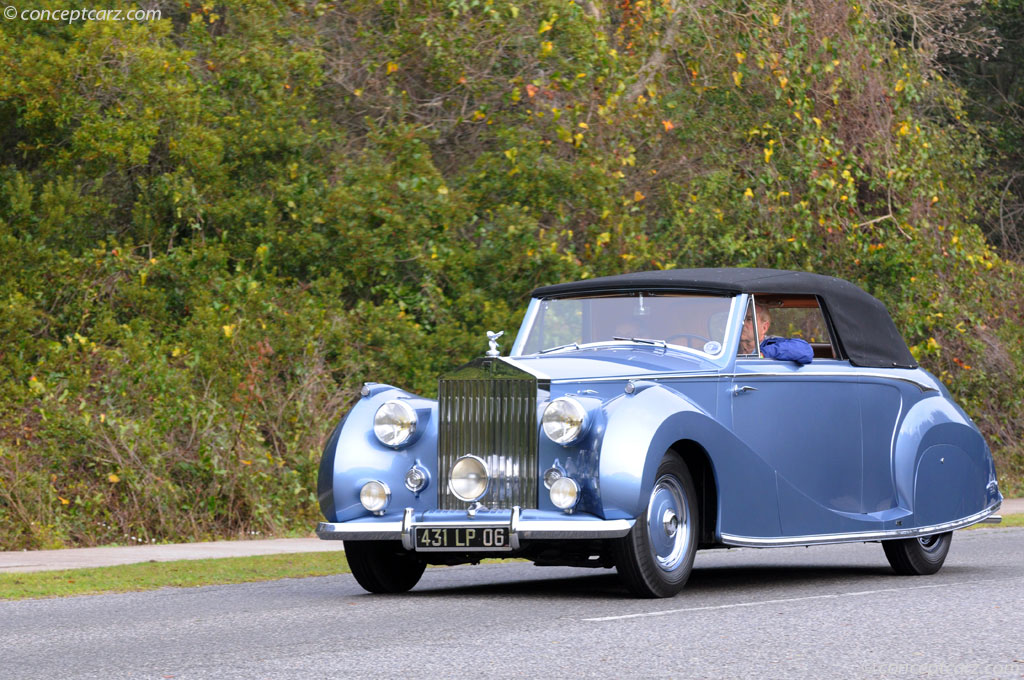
pixel 462 538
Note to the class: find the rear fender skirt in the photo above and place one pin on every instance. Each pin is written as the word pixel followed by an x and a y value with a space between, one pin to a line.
pixel 937 444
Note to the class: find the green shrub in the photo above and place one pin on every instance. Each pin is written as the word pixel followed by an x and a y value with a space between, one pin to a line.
pixel 215 226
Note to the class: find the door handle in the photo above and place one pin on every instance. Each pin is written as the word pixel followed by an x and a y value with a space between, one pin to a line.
pixel 741 389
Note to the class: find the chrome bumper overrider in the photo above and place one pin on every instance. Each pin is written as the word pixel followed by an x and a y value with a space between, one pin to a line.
pixel 519 528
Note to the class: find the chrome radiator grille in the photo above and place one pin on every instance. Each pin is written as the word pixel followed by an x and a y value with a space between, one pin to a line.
pixel 489 409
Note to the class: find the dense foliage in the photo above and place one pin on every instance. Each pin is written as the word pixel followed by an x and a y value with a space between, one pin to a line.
pixel 214 226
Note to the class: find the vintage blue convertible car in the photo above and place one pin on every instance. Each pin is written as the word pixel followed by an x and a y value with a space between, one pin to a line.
pixel 638 418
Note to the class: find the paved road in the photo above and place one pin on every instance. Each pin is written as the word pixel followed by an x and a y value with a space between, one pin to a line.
pixel 832 611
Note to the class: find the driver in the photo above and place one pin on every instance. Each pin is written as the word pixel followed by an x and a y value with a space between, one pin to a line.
pixel 748 338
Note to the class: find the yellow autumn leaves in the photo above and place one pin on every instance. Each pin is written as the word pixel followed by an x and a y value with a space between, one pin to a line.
pixel 112 478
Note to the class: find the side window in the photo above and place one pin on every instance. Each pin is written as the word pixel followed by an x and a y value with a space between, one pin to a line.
pixel 799 317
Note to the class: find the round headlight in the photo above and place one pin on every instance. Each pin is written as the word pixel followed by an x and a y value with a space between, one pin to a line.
pixel 416 478
pixel 564 420
pixel 394 423
pixel 565 493
pixel 468 480
pixel 375 496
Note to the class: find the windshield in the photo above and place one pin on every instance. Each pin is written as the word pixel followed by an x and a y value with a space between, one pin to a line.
pixel 695 322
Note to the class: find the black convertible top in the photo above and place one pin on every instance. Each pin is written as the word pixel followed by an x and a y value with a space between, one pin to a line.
pixel 867 335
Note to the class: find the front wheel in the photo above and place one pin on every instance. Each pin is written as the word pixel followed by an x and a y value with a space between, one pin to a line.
pixel 918 556
pixel 383 566
pixel 656 557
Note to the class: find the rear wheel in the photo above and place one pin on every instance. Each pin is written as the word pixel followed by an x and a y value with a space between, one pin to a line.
pixel 918 556
pixel 383 566
pixel 656 557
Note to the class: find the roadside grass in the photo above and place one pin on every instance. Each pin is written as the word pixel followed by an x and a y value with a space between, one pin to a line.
pixel 1008 521
pixel 177 574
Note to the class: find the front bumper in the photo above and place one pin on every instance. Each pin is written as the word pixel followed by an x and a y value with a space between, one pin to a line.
pixel 528 525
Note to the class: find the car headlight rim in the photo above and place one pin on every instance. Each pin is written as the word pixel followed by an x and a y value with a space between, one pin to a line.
pixel 394 423
pixel 565 420
pixel 469 478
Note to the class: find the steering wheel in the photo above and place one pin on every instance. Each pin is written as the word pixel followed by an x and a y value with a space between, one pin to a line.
pixel 689 336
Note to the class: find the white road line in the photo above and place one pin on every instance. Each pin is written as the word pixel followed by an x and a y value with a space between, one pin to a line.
pixel 761 603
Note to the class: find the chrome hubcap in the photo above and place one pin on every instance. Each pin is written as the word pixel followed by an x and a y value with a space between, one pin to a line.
pixel 668 523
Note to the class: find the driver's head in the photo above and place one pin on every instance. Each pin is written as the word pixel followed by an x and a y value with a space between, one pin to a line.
pixel 748 338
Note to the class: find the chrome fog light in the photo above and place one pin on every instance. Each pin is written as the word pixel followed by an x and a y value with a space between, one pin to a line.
pixel 565 493
pixel 375 496
pixel 468 479
pixel 416 478
pixel 394 423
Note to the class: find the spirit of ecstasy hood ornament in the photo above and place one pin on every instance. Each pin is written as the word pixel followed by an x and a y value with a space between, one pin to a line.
pixel 492 338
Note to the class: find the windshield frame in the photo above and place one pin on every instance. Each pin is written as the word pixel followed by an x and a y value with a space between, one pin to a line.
pixel 536 304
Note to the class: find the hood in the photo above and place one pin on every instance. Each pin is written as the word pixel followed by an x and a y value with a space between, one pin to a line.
pixel 611 362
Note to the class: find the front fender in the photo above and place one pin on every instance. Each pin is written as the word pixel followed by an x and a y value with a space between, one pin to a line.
pixel 642 427
pixel 354 456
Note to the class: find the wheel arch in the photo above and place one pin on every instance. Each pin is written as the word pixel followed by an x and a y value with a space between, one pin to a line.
pixel 702 472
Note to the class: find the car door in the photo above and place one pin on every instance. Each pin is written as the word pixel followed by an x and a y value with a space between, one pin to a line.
pixel 805 422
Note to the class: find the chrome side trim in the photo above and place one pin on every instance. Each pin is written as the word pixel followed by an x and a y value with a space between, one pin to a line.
pixel 924 387
pixel 858 537
pixel 704 375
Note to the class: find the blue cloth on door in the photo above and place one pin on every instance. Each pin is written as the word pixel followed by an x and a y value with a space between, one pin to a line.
pixel 787 349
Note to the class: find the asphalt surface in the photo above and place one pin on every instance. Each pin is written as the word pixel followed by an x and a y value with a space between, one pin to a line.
pixel 823 612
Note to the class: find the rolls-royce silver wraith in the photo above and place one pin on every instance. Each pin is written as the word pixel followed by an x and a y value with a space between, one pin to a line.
pixel 641 417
